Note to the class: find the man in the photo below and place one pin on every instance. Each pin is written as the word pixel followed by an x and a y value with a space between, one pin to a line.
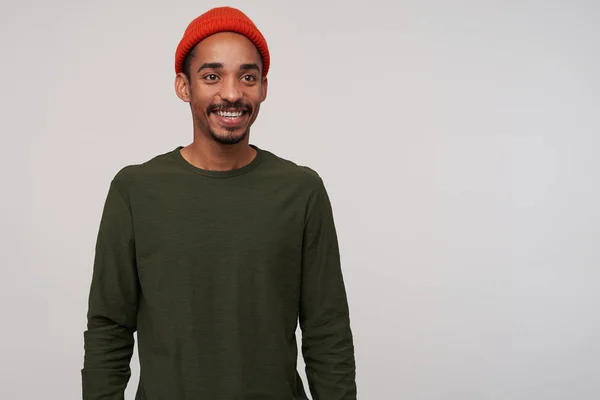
pixel 213 252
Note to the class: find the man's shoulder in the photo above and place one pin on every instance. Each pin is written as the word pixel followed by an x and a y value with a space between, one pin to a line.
pixel 293 171
pixel 130 174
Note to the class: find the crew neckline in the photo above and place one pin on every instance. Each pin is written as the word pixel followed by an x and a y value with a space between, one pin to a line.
pixel 219 174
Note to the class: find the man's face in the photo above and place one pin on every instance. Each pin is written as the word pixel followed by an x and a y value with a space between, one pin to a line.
pixel 225 87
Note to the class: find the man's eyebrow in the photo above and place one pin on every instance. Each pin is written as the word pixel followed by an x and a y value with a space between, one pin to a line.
pixel 211 65
pixel 218 65
pixel 248 67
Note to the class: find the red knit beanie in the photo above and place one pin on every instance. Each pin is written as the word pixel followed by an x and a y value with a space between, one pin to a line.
pixel 221 19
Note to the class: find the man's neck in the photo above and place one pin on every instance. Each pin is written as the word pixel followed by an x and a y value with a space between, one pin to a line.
pixel 213 156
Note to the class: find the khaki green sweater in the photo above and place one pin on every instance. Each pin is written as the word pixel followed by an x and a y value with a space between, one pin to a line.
pixel 214 270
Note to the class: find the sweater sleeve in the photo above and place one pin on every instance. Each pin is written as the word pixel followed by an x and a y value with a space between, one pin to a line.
pixel 112 304
pixel 327 343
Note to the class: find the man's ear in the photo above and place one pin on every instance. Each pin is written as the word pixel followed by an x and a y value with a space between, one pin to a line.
pixel 264 87
pixel 182 87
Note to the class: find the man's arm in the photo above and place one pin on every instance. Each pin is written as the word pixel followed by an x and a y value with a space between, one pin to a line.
pixel 113 304
pixel 327 343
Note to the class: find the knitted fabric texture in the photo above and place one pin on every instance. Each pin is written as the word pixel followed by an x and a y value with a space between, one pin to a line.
pixel 221 19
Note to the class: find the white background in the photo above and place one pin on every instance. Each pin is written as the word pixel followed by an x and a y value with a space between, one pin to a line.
pixel 459 142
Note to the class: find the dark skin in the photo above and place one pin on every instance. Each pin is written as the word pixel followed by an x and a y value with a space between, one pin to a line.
pixel 225 88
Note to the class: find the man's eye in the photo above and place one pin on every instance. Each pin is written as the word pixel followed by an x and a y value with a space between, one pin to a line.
pixel 249 78
pixel 210 77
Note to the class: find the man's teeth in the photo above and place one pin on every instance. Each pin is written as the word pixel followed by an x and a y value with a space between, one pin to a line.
pixel 230 114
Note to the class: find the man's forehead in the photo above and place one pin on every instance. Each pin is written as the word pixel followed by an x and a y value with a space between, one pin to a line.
pixel 225 41
pixel 231 50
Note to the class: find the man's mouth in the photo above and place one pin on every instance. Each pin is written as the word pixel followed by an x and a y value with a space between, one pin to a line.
pixel 231 118
pixel 230 114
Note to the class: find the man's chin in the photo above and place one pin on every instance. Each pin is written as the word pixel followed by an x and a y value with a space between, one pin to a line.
pixel 228 138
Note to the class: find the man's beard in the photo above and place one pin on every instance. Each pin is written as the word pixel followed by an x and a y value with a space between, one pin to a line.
pixel 228 139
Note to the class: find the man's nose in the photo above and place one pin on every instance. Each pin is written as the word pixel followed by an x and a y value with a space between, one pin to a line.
pixel 230 90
